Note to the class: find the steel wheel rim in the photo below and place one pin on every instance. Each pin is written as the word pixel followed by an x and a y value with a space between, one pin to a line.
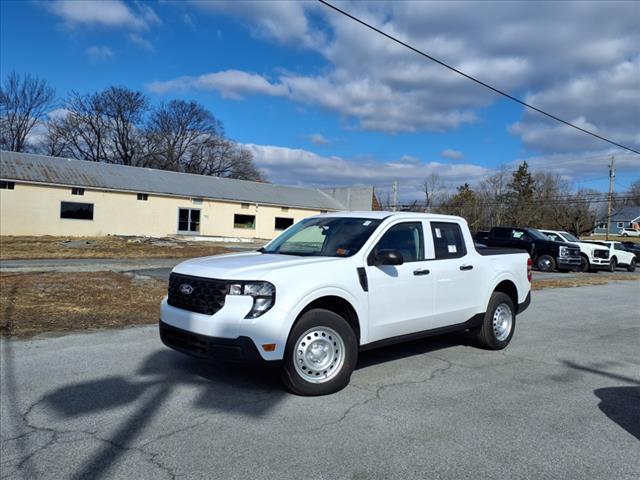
pixel 502 322
pixel 319 354
pixel 545 264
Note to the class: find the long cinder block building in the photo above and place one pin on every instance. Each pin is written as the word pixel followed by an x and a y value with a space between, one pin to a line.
pixel 42 195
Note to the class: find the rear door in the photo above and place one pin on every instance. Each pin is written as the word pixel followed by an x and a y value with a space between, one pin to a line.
pixel 457 275
pixel 400 297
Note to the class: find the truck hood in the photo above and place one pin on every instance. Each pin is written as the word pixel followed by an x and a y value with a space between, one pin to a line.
pixel 244 266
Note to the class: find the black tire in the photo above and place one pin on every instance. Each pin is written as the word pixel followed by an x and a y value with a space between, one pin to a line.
pixel 632 266
pixel 327 324
pixel 486 334
pixel 585 266
pixel 546 263
pixel 613 264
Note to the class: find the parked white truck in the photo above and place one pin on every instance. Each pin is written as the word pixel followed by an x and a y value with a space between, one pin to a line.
pixel 592 256
pixel 336 284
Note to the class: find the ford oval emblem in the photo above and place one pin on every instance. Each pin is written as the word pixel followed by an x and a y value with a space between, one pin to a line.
pixel 186 289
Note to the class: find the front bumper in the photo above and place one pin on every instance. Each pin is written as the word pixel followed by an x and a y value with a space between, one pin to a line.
pixel 241 349
pixel 599 263
pixel 568 262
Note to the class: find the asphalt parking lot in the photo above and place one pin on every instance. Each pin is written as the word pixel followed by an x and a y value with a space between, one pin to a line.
pixel 563 401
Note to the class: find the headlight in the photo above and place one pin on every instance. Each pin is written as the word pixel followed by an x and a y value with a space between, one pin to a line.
pixel 263 293
pixel 564 252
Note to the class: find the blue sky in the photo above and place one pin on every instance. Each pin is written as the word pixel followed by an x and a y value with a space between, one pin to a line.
pixel 321 101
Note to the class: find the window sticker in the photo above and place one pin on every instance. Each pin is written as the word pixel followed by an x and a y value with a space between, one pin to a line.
pixel 366 223
pixel 518 235
pixel 342 251
pixel 438 234
pixel 453 249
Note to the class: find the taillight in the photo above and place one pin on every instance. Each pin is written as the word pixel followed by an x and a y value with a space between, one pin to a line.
pixel 529 267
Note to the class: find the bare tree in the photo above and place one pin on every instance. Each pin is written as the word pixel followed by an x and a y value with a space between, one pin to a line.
pixel 24 101
pixel 180 129
pixel 124 110
pixel 433 188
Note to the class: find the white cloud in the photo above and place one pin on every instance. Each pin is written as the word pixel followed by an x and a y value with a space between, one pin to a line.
pixel 107 13
pixel 318 139
pixel 516 46
pixel 141 42
pixel 302 167
pixel 452 154
pixel 100 53
pixel 233 84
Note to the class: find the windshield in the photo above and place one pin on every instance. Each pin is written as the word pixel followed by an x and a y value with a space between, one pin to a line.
pixel 570 237
pixel 537 234
pixel 324 237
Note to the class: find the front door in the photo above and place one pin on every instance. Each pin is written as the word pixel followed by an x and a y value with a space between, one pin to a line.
pixel 400 296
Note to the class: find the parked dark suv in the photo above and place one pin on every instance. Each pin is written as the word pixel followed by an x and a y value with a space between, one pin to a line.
pixel 546 254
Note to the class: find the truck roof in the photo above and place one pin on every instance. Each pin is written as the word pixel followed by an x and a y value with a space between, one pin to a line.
pixel 381 215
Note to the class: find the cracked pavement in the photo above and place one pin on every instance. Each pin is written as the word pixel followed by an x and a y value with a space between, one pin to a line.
pixel 563 401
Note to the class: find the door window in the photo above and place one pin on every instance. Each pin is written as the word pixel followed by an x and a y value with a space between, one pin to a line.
pixel 407 238
pixel 448 241
pixel 189 220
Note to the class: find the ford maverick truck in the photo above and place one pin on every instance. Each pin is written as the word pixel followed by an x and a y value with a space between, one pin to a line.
pixel 336 284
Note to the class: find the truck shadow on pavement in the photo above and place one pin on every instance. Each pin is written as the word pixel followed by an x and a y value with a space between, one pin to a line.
pixel 219 388
pixel 619 404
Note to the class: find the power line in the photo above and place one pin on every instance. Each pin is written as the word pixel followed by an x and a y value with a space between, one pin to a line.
pixel 480 82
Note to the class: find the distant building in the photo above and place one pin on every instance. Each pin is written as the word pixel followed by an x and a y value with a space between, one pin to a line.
pixel 42 195
pixel 626 217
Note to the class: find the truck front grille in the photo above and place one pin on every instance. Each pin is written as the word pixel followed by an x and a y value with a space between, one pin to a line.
pixel 574 252
pixel 601 253
pixel 196 294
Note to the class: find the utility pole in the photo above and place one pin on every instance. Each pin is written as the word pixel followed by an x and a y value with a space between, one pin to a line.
pixel 394 189
pixel 612 174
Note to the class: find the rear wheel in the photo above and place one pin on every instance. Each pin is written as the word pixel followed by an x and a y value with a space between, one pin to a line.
pixel 321 353
pixel 632 266
pixel 546 263
pixel 613 264
pixel 498 324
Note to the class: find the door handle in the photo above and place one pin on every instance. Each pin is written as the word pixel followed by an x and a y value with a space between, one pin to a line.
pixel 421 271
pixel 466 267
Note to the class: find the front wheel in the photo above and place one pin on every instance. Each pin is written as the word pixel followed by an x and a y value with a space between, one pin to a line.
pixel 584 264
pixel 546 263
pixel 321 353
pixel 632 266
pixel 498 324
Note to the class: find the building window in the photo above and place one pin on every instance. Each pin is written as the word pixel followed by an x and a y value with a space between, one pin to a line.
pixel 77 191
pixel 284 209
pixel 143 196
pixel 323 211
pixel 244 206
pixel 188 220
pixel 7 185
pixel 244 221
pixel 620 224
pixel 76 211
pixel 283 223
pixel 602 225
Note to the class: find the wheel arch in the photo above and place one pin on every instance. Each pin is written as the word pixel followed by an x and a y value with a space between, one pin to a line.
pixel 509 288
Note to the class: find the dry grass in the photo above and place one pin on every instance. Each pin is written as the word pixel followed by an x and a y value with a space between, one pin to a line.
pixel 15 248
pixel 599 279
pixel 612 238
pixel 33 303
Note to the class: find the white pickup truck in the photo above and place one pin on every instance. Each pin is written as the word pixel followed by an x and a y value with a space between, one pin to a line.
pixel 592 256
pixel 336 284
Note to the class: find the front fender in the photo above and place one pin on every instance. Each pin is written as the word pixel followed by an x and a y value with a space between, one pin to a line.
pixel 359 305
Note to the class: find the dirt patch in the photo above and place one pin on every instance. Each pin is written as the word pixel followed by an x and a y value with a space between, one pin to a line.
pixel 24 248
pixel 599 279
pixel 33 303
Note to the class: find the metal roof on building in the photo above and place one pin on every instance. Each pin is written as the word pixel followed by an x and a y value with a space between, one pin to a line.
pixel 80 173
pixel 627 214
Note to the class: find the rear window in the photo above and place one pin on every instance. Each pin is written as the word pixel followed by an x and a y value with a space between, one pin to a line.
pixel 448 240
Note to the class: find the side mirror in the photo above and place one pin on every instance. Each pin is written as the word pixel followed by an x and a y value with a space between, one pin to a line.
pixel 388 257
